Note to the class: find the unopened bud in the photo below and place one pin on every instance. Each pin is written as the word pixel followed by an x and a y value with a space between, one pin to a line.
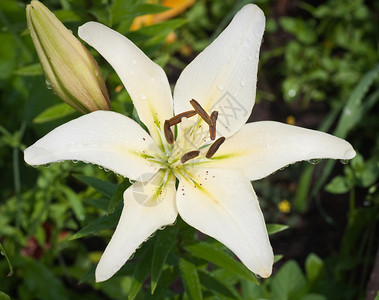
pixel 70 70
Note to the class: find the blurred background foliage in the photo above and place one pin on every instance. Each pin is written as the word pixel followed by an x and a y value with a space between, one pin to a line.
pixel 319 69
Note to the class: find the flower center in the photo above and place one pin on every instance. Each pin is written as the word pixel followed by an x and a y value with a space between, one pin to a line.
pixel 195 140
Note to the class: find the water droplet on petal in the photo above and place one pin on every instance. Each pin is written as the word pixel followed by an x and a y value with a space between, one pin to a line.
pixel 48 84
pixel 143 97
pixel 134 62
pixel 344 161
pixel 314 161
pixel 75 161
pixel 243 83
pixel 220 86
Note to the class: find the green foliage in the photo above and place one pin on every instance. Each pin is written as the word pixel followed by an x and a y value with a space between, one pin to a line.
pixel 55 221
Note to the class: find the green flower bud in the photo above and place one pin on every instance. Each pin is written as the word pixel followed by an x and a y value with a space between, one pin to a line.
pixel 70 70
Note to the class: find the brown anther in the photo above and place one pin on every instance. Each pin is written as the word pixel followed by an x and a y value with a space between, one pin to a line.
pixel 202 113
pixel 212 129
pixel 189 155
pixel 178 118
pixel 214 147
pixel 168 133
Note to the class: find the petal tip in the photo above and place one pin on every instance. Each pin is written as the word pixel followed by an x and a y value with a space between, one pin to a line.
pixel 349 154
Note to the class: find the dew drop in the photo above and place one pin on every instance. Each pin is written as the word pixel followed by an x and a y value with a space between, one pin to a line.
pixel 220 86
pixel 249 57
pixel 344 161
pixel 143 97
pixel 134 62
pixel 314 161
pixel 100 167
pixel 75 161
pixel 243 83
pixel 48 84
pixel 347 111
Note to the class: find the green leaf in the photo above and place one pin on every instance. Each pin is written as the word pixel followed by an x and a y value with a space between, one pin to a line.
pixel 75 202
pixel 8 54
pixel 313 267
pixel 4 296
pixel 275 228
pixel 314 297
pixel 54 112
pixel 165 241
pixel 104 222
pixel 354 108
pixel 338 185
pixel 37 277
pixel 118 195
pixel 191 279
pixel 353 112
pixel 217 287
pixel 30 70
pixel 277 257
pixel 217 256
pixel 289 283
pixel 100 203
pixel 106 188
pixel 142 271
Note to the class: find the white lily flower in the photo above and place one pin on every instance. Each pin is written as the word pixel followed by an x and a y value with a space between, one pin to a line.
pixel 214 194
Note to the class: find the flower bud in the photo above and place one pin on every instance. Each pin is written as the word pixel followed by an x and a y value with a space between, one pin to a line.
pixel 70 70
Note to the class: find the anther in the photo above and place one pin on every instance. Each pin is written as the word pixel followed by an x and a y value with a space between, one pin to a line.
pixel 214 147
pixel 168 133
pixel 189 155
pixel 178 118
pixel 212 129
pixel 202 113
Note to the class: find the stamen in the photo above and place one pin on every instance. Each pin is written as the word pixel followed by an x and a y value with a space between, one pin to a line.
pixel 178 118
pixel 212 129
pixel 189 155
pixel 168 133
pixel 202 113
pixel 214 147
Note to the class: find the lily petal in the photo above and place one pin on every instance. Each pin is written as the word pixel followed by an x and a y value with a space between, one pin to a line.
pixel 145 81
pixel 261 148
pixel 223 77
pixel 104 138
pixel 147 207
pixel 222 203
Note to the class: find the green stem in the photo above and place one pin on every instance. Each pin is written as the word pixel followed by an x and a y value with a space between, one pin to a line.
pixel 2 251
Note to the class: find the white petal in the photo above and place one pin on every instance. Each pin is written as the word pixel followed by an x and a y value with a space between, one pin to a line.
pixel 222 203
pixel 145 81
pixel 104 138
pixel 261 148
pixel 223 77
pixel 145 210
